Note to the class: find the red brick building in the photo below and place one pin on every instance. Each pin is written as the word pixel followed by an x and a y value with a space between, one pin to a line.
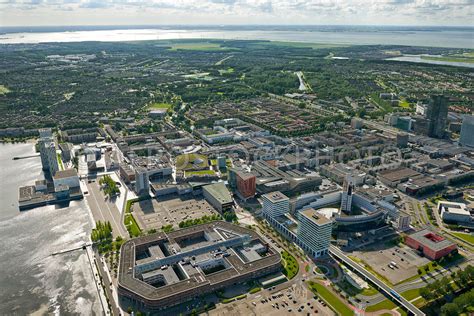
pixel 246 185
pixel 433 246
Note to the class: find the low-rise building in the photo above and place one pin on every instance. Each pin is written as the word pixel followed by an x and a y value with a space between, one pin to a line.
pixel 126 172
pixel 452 212
pixel 66 177
pixel 430 244
pixel 218 196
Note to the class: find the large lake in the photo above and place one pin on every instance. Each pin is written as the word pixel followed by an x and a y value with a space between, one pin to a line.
pixel 434 37
pixel 31 280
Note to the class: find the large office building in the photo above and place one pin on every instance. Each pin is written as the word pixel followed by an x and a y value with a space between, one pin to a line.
pixel 458 213
pixel 142 182
pixel 314 230
pixel 166 269
pixel 49 158
pixel 218 196
pixel 246 185
pixel 467 131
pixel 437 115
pixel 275 204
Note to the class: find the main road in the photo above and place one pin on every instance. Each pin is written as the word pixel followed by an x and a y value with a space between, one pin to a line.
pixel 105 210
pixel 382 286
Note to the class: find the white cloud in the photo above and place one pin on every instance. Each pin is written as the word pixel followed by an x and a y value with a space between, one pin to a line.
pixel 411 12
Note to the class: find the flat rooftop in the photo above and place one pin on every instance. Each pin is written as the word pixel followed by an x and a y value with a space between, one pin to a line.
pixel 455 208
pixel 61 174
pixel 316 217
pixel 219 192
pixel 276 196
pixel 199 257
pixel 399 174
pixel 431 240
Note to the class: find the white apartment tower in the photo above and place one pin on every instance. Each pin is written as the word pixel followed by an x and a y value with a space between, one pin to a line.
pixel 314 231
pixel 49 159
pixel 275 204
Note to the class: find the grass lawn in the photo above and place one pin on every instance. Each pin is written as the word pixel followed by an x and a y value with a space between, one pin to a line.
pixel 199 173
pixel 419 302
pixel 353 291
pixel 226 71
pixel 255 290
pixel 431 269
pixel 290 265
pixel 384 104
pixel 385 304
pixel 132 225
pixel 191 161
pixel 60 162
pixel 411 294
pixel 159 106
pixel 3 89
pixel 450 59
pixel 466 237
pixel 331 299
pixel 404 104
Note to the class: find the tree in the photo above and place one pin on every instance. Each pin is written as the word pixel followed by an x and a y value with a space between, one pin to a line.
pixel 426 293
pixel 450 309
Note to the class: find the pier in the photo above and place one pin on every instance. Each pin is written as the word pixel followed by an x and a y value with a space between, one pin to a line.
pixel 83 247
pixel 25 157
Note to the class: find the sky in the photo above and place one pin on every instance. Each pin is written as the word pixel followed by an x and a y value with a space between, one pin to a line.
pixel 317 12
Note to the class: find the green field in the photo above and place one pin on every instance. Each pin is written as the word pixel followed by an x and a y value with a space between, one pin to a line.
pixel 411 294
pixel 466 237
pixel 353 291
pixel 3 90
pixel 332 300
pixel 199 173
pixel 385 304
pixel 191 162
pixel 450 59
pixel 404 104
pixel 60 162
pixel 131 225
pixel 159 106
pixel 384 104
pixel 290 265
pixel 226 71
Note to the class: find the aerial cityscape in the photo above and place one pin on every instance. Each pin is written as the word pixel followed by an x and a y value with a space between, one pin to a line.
pixel 240 169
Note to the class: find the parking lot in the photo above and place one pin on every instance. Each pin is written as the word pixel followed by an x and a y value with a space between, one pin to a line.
pixel 395 263
pixel 295 300
pixel 155 214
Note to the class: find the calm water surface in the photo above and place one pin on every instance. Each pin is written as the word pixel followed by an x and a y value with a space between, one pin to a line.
pixel 433 38
pixel 31 280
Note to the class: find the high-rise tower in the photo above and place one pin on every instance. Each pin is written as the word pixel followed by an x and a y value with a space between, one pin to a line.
pixel 437 116
pixel 347 191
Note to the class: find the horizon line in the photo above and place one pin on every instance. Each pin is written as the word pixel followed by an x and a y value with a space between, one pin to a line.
pixel 227 25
